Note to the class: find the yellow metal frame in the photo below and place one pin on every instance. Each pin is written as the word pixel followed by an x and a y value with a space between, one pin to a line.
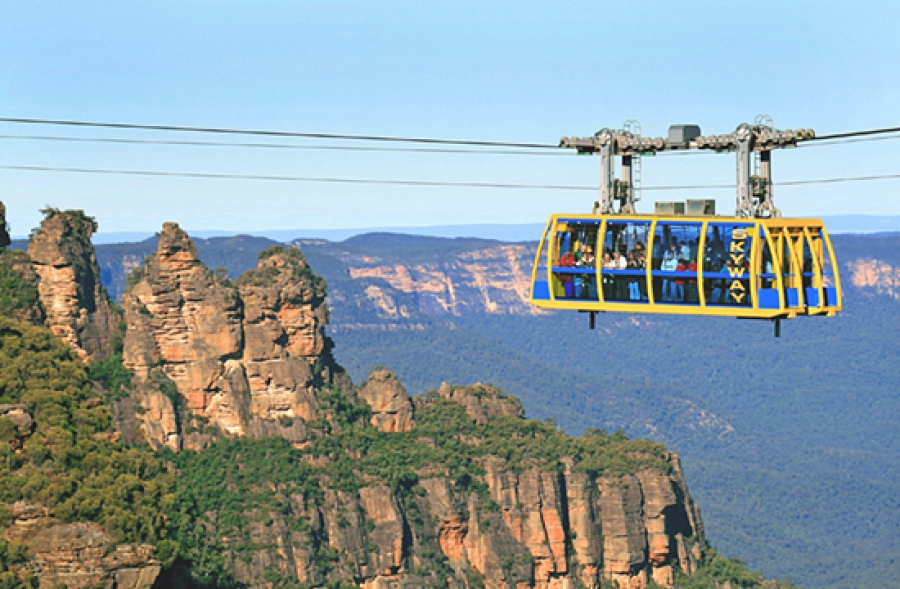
pixel 782 236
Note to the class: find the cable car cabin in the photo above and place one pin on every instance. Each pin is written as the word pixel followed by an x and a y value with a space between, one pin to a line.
pixel 765 268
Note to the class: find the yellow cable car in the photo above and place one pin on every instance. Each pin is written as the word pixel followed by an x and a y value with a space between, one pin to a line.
pixel 720 266
pixel 746 266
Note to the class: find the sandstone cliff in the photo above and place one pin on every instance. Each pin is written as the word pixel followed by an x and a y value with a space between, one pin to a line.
pixel 73 297
pixel 472 276
pixel 244 357
pixel 4 230
pixel 492 512
pixel 79 555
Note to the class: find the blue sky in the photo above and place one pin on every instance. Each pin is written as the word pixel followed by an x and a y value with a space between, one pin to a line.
pixel 505 71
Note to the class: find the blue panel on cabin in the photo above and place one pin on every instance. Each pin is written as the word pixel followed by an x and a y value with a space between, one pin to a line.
pixel 793 297
pixel 768 298
pixel 541 290
pixel 831 299
pixel 812 297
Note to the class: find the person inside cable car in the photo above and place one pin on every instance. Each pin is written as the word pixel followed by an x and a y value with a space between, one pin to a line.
pixel 620 281
pixel 634 291
pixel 692 294
pixel 608 264
pixel 679 281
pixel 715 288
pixel 669 264
pixel 587 259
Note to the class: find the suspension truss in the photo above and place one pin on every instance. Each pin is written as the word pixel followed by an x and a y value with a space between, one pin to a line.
pixel 752 144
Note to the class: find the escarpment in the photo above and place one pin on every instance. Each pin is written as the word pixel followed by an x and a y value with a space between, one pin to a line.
pixel 471 494
pixel 244 357
pixel 76 305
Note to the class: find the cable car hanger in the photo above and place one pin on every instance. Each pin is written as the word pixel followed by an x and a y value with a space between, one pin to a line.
pixel 750 142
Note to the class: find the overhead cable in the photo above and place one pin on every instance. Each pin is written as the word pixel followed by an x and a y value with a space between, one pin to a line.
pixel 267 133
pixel 338 180
pixel 64 139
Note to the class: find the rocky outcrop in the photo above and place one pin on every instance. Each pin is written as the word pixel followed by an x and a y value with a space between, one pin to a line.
pixel 4 229
pixel 392 410
pixel 244 357
pixel 75 302
pixel 482 402
pixel 79 555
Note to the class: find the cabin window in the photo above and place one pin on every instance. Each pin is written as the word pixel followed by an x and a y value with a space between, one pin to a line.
pixel 675 263
pixel 624 263
pixel 541 289
pixel 726 264
pixel 574 260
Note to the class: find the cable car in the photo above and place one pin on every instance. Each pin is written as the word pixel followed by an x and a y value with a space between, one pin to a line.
pixel 685 260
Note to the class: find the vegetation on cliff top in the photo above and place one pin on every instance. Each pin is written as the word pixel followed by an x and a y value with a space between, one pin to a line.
pixel 70 463
pixel 300 271
pixel 18 295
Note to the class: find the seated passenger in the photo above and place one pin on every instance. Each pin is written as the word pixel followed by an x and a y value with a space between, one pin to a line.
pixel 692 295
pixel 587 260
pixel 634 291
pixel 679 282
pixel 669 264
pixel 608 264
pixel 716 287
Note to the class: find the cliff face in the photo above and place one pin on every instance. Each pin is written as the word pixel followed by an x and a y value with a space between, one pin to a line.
pixel 75 302
pixel 243 357
pixel 550 525
pixel 874 275
pixel 79 555
pixel 483 277
pixel 4 232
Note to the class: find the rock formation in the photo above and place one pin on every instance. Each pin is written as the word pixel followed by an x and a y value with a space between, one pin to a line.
pixel 483 401
pixel 246 357
pixel 4 230
pixel 74 300
pixel 79 555
pixel 392 410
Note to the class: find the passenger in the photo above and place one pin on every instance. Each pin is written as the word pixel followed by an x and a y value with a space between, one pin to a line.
pixel 692 245
pixel 669 264
pixel 587 258
pixel 634 291
pixel 567 260
pixel 658 251
pixel 608 264
pixel 684 251
pixel 692 294
pixel 679 281
pixel 642 281
pixel 715 287
pixel 621 283
pixel 641 249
